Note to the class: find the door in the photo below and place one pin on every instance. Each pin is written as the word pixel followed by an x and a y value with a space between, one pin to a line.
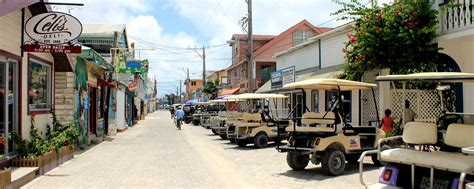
pixel 8 103
pixel 92 110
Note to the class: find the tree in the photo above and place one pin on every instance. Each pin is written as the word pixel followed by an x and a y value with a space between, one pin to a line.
pixel 212 88
pixel 397 36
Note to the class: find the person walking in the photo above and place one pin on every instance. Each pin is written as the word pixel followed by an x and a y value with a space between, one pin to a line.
pixel 387 123
pixel 179 117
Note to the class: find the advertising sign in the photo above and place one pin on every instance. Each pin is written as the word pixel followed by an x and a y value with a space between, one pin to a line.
pixel 53 32
pixel 283 76
pixel 132 86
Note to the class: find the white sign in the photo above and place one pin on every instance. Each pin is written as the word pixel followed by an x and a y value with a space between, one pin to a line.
pixel 53 28
pixel 288 75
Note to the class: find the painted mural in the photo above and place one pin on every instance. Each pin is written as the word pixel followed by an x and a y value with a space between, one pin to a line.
pixel 81 88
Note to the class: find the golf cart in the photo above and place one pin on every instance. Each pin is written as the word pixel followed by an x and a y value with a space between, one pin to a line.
pixel 189 110
pixel 326 137
pixel 259 127
pixel 217 121
pixel 445 154
pixel 199 111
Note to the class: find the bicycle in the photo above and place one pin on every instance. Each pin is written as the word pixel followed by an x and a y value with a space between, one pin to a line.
pixel 178 123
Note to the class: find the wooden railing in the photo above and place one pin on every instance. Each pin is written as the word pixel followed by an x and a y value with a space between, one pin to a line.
pixel 46 162
pixel 457 15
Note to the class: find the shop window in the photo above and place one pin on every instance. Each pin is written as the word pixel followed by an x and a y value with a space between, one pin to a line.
pixel 39 86
pixel 315 100
pixel 301 36
pixel 331 98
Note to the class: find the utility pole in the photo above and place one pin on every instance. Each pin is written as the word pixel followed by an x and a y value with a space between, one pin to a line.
pixel 203 66
pixel 203 56
pixel 180 98
pixel 177 92
pixel 186 71
pixel 250 47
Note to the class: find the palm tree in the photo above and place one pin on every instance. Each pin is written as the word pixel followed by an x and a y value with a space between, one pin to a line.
pixel 212 88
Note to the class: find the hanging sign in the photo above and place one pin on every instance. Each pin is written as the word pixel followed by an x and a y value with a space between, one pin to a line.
pixel 132 86
pixel 53 32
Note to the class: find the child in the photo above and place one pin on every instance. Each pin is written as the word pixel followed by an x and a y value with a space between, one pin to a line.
pixel 387 123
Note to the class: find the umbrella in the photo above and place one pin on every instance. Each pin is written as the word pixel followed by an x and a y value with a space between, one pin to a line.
pixel 223 96
pixel 192 101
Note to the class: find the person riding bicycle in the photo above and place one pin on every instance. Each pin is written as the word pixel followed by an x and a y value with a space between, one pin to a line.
pixel 172 111
pixel 179 116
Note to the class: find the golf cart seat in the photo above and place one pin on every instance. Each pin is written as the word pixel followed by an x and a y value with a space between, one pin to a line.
pixel 458 135
pixel 249 120
pixel 310 118
pixel 309 129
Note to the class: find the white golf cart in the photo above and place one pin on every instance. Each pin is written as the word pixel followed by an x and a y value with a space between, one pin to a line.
pixel 218 121
pixel 257 127
pixel 326 137
pixel 445 166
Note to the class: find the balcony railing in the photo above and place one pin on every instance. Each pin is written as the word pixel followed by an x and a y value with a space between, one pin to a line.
pixel 456 16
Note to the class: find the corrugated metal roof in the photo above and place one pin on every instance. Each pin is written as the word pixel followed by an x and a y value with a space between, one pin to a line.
pixel 101 30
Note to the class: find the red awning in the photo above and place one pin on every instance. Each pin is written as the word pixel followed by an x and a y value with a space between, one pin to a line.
pixel 229 91
pixel 105 83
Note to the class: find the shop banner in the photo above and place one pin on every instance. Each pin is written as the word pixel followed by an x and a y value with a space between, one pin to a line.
pixel 53 32
pixel 283 76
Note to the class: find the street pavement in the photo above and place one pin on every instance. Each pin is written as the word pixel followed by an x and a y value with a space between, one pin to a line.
pixel 154 154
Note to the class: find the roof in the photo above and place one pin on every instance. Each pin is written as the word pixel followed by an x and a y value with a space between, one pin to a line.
pixel 255 96
pixel 430 76
pixel 279 38
pixel 315 39
pixel 229 91
pixel 329 84
pixel 255 37
pixel 101 30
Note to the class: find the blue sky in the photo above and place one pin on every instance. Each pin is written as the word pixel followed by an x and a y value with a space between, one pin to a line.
pixel 171 26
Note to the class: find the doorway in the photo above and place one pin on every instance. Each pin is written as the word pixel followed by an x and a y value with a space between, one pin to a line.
pixel 9 103
pixel 92 110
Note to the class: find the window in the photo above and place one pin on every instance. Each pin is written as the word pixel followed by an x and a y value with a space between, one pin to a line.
pixel 193 83
pixel 331 98
pixel 301 36
pixel 39 86
pixel 315 100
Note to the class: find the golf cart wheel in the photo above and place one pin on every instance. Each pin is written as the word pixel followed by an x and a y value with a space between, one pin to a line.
pixel 376 160
pixel 223 136
pixel 333 162
pixel 187 121
pixel 241 142
pixel 214 132
pixel 297 161
pixel 232 140
pixel 260 141
pixel 195 122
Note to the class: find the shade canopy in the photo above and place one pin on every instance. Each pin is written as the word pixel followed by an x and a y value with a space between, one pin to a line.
pixel 329 84
pixel 255 96
pixel 229 91
pixel 223 96
pixel 430 76
pixel 192 101
pixel 224 100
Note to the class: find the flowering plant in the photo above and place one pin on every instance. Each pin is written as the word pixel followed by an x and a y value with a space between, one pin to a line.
pixel 396 36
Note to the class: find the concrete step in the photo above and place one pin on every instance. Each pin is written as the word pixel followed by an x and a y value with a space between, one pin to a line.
pixel 23 175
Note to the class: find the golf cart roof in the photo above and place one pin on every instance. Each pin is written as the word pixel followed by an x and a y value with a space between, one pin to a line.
pixel 430 76
pixel 223 101
pixel 255 96
pixel 176 104
pixel 329 84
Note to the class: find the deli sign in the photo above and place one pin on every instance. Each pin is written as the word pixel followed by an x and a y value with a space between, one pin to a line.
pixel 53 32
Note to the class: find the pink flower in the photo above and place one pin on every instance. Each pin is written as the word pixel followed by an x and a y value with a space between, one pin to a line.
pixel 33 115
pixel 379 16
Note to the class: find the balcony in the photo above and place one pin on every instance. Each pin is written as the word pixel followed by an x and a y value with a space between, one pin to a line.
pixel 456 16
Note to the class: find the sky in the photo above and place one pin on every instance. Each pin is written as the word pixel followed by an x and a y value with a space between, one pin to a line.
pixel 169 30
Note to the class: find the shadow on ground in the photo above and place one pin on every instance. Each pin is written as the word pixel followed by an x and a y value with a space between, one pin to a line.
pixel 317 173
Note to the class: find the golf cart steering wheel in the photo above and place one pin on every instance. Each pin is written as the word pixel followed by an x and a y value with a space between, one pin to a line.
pixel 446 119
